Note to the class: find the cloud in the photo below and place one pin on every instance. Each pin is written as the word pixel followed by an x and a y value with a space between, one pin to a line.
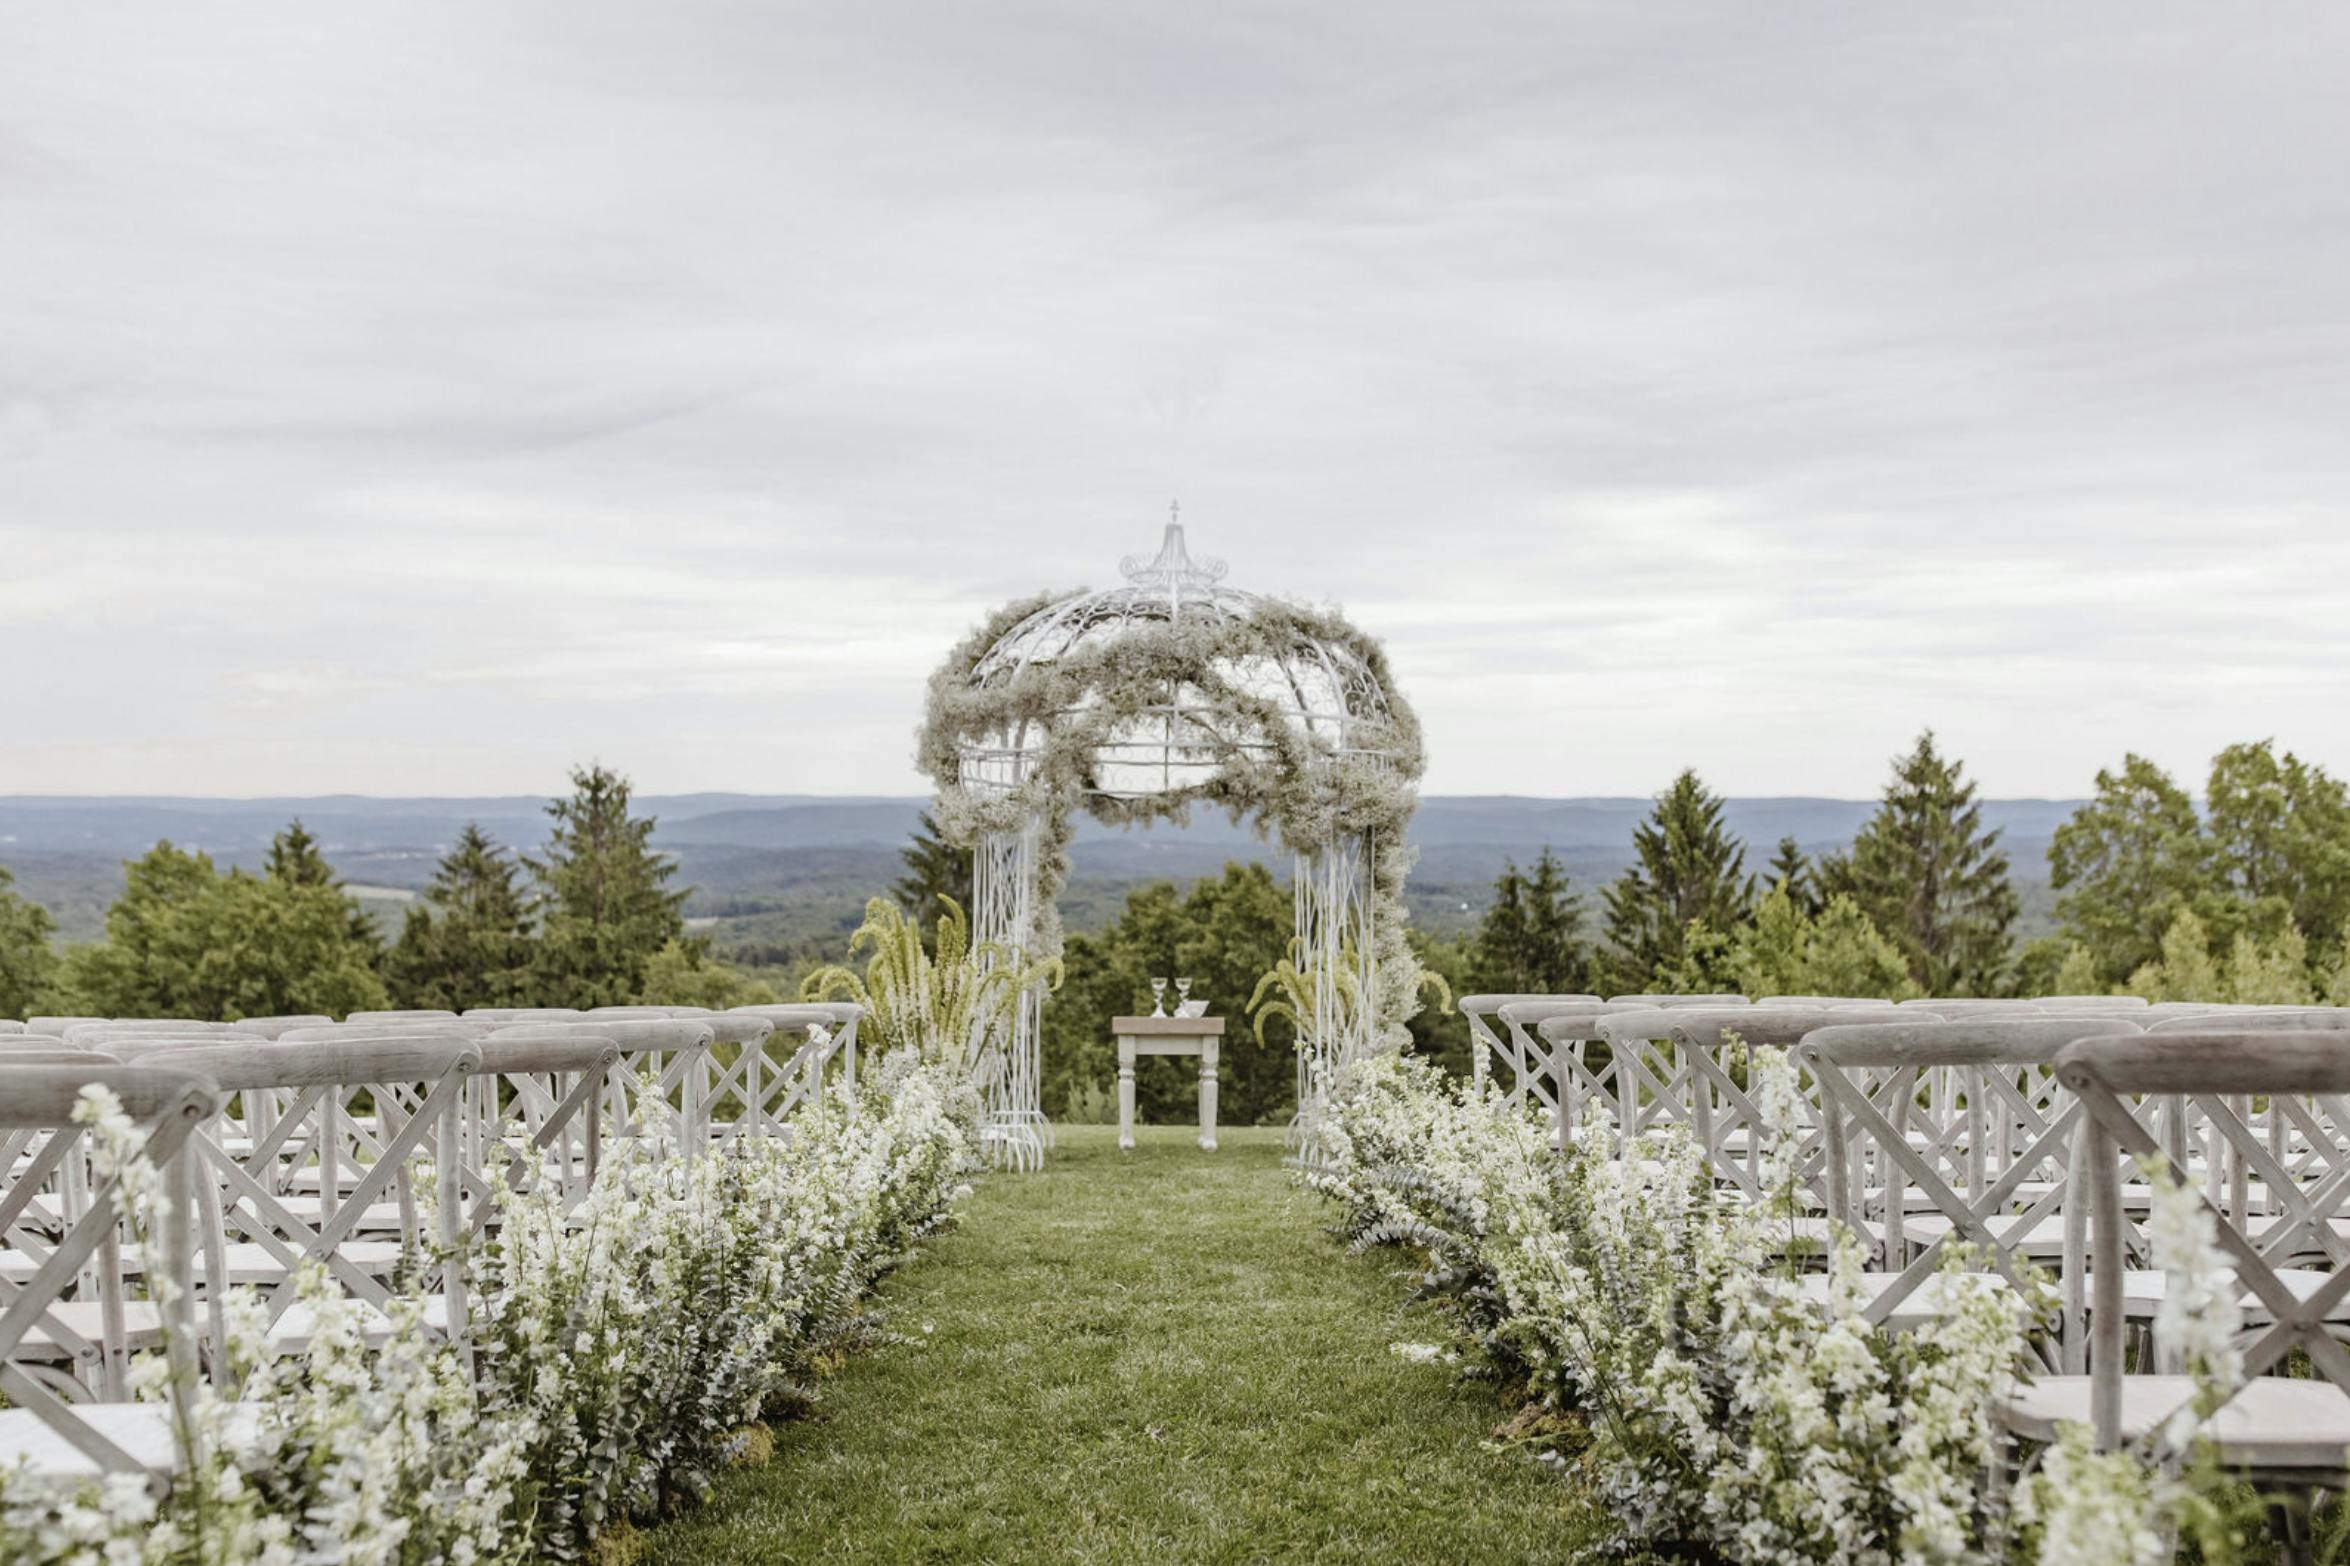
pixel 422 399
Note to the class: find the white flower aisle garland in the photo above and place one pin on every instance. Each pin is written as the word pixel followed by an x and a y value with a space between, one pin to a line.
pixel 1710 1401
pixel 620 1352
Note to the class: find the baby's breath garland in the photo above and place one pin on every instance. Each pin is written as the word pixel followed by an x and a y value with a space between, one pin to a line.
pixel 1302 792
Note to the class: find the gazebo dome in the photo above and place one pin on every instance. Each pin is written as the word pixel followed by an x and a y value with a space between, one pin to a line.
pixel 1323 689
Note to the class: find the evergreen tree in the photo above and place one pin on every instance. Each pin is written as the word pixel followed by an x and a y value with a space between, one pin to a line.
pixel 935 869
pixel 1931 878
pixel 2124 866
pixel 1690 870
pixel 683 973
pixel 604 903
pixel 295 859
pixel 467 942
pixel 1792 869
pixel 29 964
pixel 1530 940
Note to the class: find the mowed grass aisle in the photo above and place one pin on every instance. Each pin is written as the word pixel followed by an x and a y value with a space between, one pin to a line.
pixel 1156 1356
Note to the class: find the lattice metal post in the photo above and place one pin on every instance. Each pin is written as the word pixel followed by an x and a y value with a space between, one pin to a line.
pixel 1332 891
pixel 1003 871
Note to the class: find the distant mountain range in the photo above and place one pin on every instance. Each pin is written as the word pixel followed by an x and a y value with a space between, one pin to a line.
pixel 795 867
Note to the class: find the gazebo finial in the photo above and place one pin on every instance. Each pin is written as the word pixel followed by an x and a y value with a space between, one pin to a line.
pixel 1173 569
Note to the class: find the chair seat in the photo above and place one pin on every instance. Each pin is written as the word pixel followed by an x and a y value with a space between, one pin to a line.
pixel 2273 1423
pixel 142 1430
pixel 2143 1292
pixel 142 1328
pixel 292 1331
pixel 1927 1303
pixel 2042 1239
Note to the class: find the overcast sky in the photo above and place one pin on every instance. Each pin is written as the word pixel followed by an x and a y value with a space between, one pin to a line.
pixel 413 399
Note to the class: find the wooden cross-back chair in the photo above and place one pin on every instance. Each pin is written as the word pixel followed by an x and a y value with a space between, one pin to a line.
pixel 2294 1139
pixel 1955 1131
pixel 333 1178
pixel 2279 1428
pixel 660 1082
pixel 531 1112
pixel 1494 1046
pixel 1673 1065
pixel 51 1435
pixel 769 1082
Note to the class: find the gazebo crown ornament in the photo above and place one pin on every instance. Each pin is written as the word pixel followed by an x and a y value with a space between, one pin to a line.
pixel 1136 703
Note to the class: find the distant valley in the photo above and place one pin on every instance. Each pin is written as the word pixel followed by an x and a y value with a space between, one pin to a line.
pixel 779 877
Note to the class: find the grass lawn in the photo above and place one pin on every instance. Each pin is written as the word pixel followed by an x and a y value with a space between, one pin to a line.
pixel 1155 1356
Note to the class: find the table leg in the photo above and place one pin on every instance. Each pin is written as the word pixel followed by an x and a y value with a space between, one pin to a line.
pixel 1126 1095
pixel 1207 1095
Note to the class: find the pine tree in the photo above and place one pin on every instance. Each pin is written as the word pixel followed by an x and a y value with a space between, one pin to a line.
pixel 468 940
pixel 296 860
pixel 935 869
pixel 1931 878
pixel 1530 940
pixel 1792 869
pixel 1690 870
pixel 604 903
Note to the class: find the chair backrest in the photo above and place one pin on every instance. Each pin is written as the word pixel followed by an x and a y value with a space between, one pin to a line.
pixel 47 1150
pixel 1966 1113
pixel 1716 1001
pixel 331 1128
pixel 2218 1070
pixel 1486 1031
pixel 1674 1059
pixel 2311 1019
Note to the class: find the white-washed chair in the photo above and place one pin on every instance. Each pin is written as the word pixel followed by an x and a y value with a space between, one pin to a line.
pixel 1955 1131
pixel 331 1170
pixel 2281 1429
pixel 1491 1042
pixel 1672 1065
pixel 50 1435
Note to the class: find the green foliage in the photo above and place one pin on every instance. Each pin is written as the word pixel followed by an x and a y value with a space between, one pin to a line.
pixel 468 942
pixel 186 941
pixel 2124 865
pixel 2274 972
pixel 947 999
pixel 2278 833
pixel 1840 952
pixel 1530 941
pixel 1928 876
pixel 1223 934
pixel 29 965
pixel 2269 857
pixel 1691 872
pixel 937 873
pixel 605 905
pixel 683 973
pixel 1441 1036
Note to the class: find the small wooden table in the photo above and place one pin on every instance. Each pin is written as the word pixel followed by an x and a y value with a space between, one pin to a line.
pixel 1201 1036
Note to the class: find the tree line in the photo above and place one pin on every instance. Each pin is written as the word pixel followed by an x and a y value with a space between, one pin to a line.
pixel 2245 898
pixel 591 920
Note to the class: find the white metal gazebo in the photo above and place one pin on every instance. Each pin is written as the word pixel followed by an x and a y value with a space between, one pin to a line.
pixel 1139 701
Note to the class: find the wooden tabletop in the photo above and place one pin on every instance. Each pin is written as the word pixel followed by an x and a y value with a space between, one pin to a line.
pixel 1166 1027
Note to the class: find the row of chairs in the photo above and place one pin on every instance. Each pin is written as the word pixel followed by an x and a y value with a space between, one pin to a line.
pixel 373 1148
pixel 2031 1132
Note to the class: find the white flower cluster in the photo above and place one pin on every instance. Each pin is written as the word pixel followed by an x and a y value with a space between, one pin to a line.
pixel 1731 1410
pixel 617 1351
